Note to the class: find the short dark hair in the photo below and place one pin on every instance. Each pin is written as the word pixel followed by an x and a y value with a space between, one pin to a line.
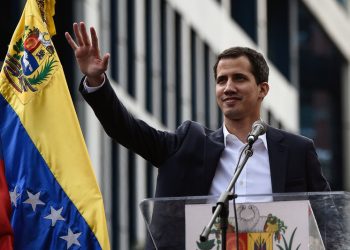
pixel 259 66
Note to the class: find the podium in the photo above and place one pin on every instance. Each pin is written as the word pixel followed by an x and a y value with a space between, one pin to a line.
pixel 176 223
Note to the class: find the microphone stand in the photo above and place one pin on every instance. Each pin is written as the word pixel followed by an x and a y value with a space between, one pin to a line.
pixel 221 209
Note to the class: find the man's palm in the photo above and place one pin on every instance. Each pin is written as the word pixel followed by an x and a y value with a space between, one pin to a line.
pixel 89 61
pixel 87 53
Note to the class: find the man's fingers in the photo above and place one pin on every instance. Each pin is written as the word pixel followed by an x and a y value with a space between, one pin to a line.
pixel 78 34
pixel 71 41
pixel 84 34
pixel 94 38
pixel 105 61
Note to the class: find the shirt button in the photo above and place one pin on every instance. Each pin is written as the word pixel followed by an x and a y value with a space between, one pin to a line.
pixel 241 183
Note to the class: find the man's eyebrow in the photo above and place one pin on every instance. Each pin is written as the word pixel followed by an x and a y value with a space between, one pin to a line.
pixel 221 77
pixel 240 74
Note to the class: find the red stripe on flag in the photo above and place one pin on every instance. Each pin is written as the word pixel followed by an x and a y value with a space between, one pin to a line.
pixel 6 233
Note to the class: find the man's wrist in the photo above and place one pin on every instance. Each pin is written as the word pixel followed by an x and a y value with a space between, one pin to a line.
pixel 95 81
pixel 89 89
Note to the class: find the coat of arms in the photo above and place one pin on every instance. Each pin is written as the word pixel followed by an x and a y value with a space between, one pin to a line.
pixel 29 63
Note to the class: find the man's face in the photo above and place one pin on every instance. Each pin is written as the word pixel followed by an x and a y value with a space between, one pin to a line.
pixel 237 93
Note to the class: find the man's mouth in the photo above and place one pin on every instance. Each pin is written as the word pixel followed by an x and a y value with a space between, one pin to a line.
pixel 232 99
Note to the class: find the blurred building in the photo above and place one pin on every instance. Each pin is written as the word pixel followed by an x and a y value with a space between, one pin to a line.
pixel 162 53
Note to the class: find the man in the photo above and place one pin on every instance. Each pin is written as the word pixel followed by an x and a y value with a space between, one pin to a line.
pixel 195 160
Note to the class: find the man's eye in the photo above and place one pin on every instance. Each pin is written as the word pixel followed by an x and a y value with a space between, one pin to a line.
pixel 240 78
pixel 220 81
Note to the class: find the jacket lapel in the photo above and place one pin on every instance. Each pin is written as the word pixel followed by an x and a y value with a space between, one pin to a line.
pixel 278 156
pixel 214 146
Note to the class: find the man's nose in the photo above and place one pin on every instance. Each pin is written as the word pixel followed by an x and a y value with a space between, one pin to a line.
pixel 230 86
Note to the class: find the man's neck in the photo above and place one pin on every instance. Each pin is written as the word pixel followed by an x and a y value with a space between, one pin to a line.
pixel 240 128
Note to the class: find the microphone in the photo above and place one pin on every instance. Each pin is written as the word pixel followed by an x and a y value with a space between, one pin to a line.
pixel 258 128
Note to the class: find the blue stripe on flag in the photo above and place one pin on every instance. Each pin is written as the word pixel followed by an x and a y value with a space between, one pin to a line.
pixel 28 174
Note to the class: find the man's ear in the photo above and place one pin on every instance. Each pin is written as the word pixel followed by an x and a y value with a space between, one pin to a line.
pixel 263 89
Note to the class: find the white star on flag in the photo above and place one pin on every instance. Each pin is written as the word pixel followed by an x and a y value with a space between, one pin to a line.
pixel 33 200
pixel 71 238
pixel 55 216
pixel 14 196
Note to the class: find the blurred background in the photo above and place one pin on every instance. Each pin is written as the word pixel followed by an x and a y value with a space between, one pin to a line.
pixel 162 54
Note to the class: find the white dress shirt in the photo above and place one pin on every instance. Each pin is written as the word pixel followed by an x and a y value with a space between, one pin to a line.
pixel 255 177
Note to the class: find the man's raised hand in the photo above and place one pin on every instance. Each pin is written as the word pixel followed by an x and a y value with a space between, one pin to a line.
pixel 87 54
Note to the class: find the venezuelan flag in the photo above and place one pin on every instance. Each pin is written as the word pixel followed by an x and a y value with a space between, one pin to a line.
pixel 56 202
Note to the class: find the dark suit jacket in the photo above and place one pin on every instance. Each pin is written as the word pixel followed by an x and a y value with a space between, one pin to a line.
pixel 187 158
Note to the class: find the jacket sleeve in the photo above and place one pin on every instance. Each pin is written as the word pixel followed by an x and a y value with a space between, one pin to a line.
pixel 152 144
pixel 316 179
